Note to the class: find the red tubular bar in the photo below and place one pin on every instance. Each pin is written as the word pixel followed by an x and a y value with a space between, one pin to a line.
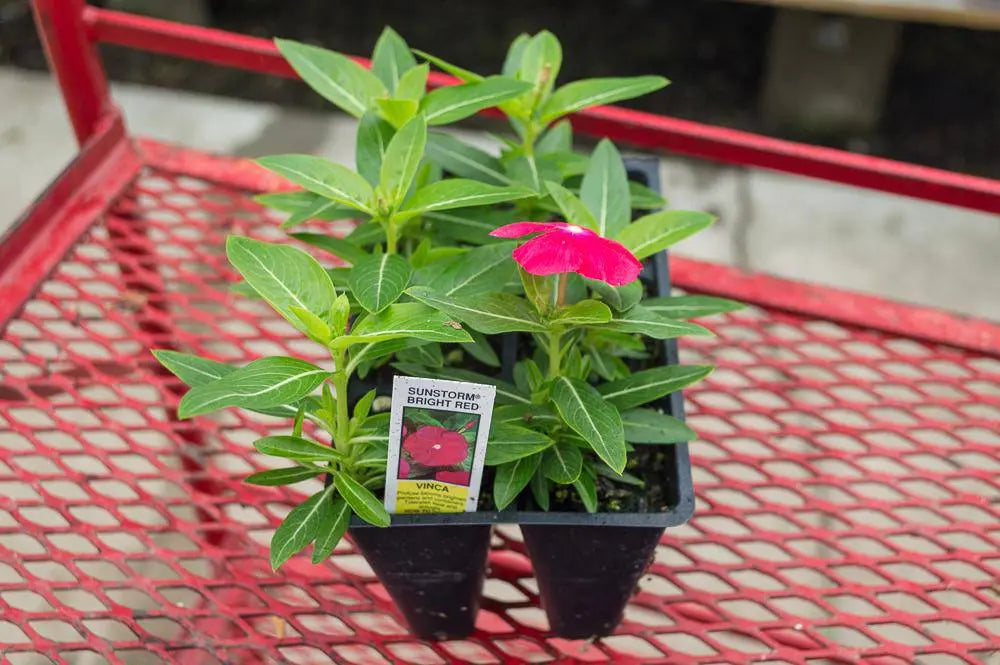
pixel 644 130
pixel 75 63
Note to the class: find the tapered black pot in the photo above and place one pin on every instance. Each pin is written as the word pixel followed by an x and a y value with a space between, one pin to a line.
pixel 434 573
pixel 586 574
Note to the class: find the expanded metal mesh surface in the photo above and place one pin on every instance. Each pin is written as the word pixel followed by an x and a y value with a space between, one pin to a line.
pixel 847 484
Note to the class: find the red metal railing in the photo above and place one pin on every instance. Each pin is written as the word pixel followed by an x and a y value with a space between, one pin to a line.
pixel 644 130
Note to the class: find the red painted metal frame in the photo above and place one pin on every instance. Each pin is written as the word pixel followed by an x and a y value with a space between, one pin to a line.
pixel 644 130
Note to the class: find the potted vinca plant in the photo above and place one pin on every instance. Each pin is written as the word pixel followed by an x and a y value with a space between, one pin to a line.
pixel 539 270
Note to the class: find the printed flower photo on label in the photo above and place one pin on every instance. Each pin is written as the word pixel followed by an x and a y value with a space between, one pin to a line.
pixel 437 445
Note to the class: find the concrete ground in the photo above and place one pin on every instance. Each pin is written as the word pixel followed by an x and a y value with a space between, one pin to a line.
pixel 785 225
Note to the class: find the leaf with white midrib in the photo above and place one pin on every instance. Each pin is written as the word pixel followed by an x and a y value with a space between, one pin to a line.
pixel 361 500
pixel 378 281
pixel 487 313
pixel 298 529
pixel 334 519
pixel 562 463
pixel 647 385
pixel 593 418
pixel 264 383
pixel 638 319
pixel 509 442
pixel 306 170
pixel 513 477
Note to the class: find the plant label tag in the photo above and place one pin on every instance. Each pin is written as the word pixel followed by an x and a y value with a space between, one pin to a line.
pixel 438 432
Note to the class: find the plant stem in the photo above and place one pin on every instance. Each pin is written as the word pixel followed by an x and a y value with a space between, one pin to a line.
pixel 390 236
pixel 340 387
pixel 555 353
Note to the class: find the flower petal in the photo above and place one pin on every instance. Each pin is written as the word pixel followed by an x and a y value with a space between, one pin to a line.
pixel 518 229
pixel 549 253
pixel 607 260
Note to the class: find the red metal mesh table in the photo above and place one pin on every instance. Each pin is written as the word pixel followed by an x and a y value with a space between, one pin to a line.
pixel 847 472
pixel 846 478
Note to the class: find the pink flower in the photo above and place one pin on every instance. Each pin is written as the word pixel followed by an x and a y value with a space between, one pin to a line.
pixel 436 446
pixel 454 477
pixel 404 467
pixel 563 247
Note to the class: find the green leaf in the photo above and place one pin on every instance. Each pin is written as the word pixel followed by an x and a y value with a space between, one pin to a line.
pixel 562 463
pixel 488 313
pixel 644 198
pixel 402 157
pixel 638 319
pixel 593 418
pixel 367 234
pixel 404 320
pixel 585 312
pixel 651 426
pixel 339 247
pixel 413 84
pixel 371 142
pixel 481 350
pixel 510 442
pixel 587 489
pixel 364 406
pixel 604 190
pixel 541 61
pixel 540 489
pixel 572 208
pixel 291 201
pixel 296 448
pixel 277 477
pixel 591 92
pixel 284 276
pixel 195 371
pixel 334 76
pixel 607 365
pixel 655 232
pixel 619 298
pixel 558 138
pixel 479 270
pixel 650 384
pixel 464 160
pixel 335 517
pixel 513 477
pixel 191 369
pixel 565 164
pixel 470 226
pixel 512 61
pixel 379 280
pixel 365 504
pixel 428 354
pixel 323 177
pixel 305 206
pixel 315 327
pixel 299 528
pixel 391 58
pixel 457 193
pixel 454 102
pixel 364 355
pixel 264 383
pixel 445 66
pixel 397 111
pixel 690 307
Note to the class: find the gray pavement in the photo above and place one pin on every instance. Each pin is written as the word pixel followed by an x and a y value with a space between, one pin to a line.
pixel 785 225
